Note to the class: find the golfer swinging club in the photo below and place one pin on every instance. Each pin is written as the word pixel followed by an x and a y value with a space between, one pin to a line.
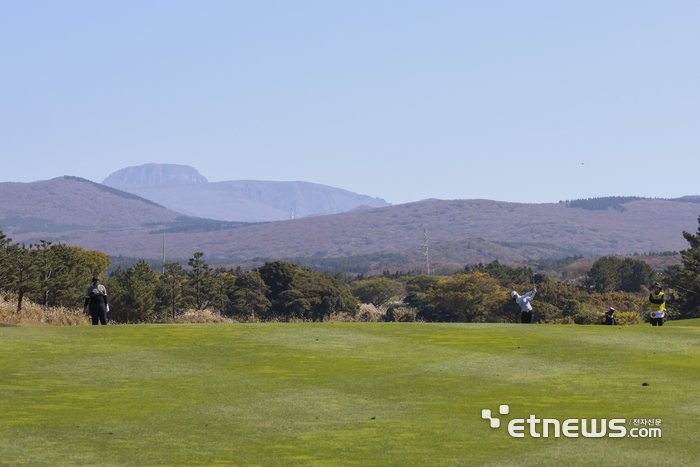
pixel 528 315
pixel 96 297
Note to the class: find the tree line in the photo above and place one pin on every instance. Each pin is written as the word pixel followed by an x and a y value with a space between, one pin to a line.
pixel 48 274
pixel 275 291
pixel 481 293
pixel 57 275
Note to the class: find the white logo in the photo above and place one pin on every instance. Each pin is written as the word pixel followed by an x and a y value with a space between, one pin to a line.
pixel 495 422
pixel 571 427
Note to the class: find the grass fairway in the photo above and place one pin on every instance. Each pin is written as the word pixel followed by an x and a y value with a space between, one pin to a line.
pixel 342 394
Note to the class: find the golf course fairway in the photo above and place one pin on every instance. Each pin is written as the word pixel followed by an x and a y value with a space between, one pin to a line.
pixel 345 394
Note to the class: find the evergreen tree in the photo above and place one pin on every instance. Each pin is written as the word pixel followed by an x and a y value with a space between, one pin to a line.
pixel 5 271
pixel 133 293
pixel 318 296
pixel 634 274
pixel 687 280
pixel 278 276
pixel 170 288
pixel 604 275
pixel 72 277
pixel 48 265
pixel 199 281
pixel 609 274
pixel 23 272
pixel 249 297
pixel 416 289
pixel 221 285
pixel 508 276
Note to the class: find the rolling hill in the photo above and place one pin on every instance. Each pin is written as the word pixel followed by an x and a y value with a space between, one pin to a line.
pixel 183 189
pixel 66 205
pixel 461 230
pixel 94 216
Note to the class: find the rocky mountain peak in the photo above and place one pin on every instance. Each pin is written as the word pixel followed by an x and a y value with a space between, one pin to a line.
pixel 153 175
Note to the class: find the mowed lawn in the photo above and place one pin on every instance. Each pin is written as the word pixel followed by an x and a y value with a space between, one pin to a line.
pixel 342 394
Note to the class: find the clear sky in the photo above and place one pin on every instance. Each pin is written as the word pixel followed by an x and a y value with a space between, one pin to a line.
pixel 525 101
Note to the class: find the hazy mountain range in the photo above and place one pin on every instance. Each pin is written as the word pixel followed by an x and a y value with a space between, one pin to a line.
pixel 94 216
pixel 183 189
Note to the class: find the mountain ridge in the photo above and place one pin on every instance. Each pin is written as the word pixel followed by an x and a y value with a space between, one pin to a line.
pixel 57 205
pixel 78 213
pixel 234 200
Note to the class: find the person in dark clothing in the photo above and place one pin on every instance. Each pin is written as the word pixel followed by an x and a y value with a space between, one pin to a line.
pixel 96 298
pixel 657 309
pixel 610 317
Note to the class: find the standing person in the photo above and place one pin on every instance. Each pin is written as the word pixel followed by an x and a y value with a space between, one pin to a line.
pixel 528 316
pixel 96 297
pixel 657 309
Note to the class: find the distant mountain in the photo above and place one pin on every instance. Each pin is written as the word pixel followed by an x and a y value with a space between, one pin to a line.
pixel 59 207
pixel 154 175
pixel 94 216
pixel 183 189
pixel 462 231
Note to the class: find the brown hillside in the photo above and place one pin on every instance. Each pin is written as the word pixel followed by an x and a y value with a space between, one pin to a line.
pixel 459 230
pixel 67 208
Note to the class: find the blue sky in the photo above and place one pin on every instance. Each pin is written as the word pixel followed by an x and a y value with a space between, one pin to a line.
pixel 519 101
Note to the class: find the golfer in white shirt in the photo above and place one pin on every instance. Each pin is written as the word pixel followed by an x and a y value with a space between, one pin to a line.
pixel 525 307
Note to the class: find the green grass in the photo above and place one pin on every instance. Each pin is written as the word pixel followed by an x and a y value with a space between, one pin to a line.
pixel 349 394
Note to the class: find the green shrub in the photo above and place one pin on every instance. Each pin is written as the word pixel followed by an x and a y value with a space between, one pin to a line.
pixel 408 317
pixel 366 316
pixel 586 316
pixel 628 317
pixel 391 315
pixel 547 313
pixel 571 308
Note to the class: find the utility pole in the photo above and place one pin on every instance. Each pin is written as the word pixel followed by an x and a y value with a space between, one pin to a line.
pixel 425 251
pixel 163 252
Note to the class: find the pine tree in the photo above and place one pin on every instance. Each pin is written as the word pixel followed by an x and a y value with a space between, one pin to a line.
pixel 4 262
pixel 133 292
pixel 48 263
pixel 170 287
pixel 200 281
pixel 71 279
pixel 23 276
pixel 687 280
pixel 249 298
pixel 222 284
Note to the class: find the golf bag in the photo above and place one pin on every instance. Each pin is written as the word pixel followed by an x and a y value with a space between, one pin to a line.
pixel 610 318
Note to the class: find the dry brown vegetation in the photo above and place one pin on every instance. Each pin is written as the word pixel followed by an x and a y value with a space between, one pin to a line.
pixel 33 314
pixel 462 231
pixel 36 315
pixel 67 202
